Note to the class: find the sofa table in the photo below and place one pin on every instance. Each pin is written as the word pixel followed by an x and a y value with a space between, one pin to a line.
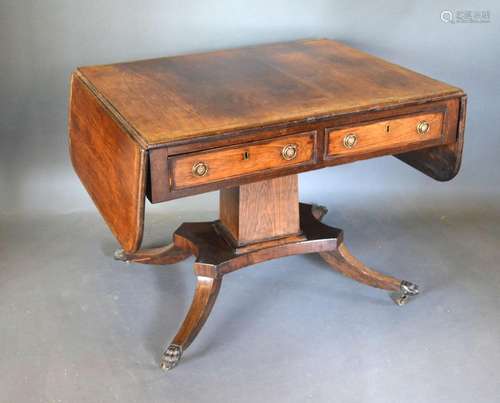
pixel 247 121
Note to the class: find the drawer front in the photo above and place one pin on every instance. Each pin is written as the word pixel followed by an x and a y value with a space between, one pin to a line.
pixel 230 162
pixel 388 134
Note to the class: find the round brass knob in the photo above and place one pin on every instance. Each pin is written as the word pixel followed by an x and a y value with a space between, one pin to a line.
pixel 423 127
pixel 350 140
pixel 289 152
pixel 200 169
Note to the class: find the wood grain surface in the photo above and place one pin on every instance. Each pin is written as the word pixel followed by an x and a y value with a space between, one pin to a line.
pixel 385 134
pixel 402 138
pixel 110 164
pixel 169 99
pixel 261 211
pixel 224 163
pixel 442 162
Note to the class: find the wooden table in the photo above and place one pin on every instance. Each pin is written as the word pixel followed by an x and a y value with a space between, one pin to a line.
pixel 247 121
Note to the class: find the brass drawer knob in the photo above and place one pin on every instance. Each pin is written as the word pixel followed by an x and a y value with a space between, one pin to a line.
pixel 423 127
pixel 200 169
pixel 289 152
pixel 350 140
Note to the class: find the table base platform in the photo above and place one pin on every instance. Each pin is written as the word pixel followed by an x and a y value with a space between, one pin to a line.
pixel 216 255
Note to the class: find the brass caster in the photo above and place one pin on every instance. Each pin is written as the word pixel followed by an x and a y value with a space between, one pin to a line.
pixel 407 291
pixel 318 211
pixel 120 255
pixel 171 357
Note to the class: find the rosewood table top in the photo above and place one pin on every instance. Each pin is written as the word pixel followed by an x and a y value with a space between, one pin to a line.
pixel 166 100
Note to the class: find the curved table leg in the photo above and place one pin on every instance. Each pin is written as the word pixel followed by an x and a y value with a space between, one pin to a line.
pixel 169 254
pixel 343 261
pixel 207 289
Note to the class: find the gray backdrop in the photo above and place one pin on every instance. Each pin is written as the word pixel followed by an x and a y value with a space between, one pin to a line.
pixel 41 42
pixel 77 326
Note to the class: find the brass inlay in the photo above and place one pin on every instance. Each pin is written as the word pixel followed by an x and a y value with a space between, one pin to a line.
pixel 423 127
pixel 350 140
pixel 289 152
pixel 200 169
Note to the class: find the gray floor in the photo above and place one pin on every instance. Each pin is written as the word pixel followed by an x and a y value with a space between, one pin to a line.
pixel 77 326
